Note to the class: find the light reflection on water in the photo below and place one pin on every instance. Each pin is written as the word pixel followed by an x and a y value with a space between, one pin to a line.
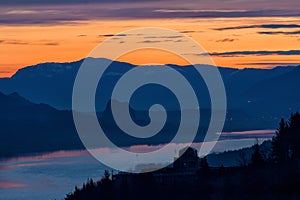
pixel 52 175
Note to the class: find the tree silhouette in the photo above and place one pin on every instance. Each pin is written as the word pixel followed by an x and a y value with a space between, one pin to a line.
pixel 256 158
pixel 204 165
pixel 242 160
pixel 294 136
pixel 106 175
pixel 285 144
pixel 258 180
pixel 280 143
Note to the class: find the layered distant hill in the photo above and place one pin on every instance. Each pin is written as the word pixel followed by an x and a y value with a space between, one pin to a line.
pixel 266 93
pixel 257 98
pixel 29 128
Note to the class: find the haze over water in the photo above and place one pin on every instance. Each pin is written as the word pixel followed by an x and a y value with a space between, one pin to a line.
pixel 52 175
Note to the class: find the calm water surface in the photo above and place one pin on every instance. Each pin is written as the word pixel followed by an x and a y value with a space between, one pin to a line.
pixel 51 176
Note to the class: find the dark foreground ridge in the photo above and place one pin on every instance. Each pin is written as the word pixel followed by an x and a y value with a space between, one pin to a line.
pixel 276 176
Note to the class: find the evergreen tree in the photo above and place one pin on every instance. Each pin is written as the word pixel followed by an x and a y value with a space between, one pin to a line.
pixel 294 136
pixel 106 175
pixel 204 164
pixel 285 144
pixel 280 143
pixel 256 157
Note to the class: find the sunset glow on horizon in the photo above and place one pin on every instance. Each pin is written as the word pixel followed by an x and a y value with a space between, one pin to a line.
pixel 238 42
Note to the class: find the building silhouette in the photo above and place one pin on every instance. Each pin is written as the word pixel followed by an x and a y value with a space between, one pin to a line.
pixel 188 160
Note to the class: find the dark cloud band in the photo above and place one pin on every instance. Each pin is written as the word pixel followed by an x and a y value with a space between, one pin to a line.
pixel 265 26
pixel 257 53
pixel 280 32
pixel 55 2
pixel 68 13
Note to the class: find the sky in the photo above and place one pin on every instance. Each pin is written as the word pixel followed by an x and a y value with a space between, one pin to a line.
pixel 236 33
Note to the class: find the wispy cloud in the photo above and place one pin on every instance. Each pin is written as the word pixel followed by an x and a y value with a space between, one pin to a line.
pixel 50 43
pixel 163 40
pixel 161 37
pixel 15 42
pixel 21 12
pixel 198 11
pixel 272 63
pixel 188 31
pixel 227 40
pixel 112 35
pixel 62 2
pixel 280 32
pixel 21 42
pixel 264 26
pixel 227 13
pixel 150 41
pixel 257 53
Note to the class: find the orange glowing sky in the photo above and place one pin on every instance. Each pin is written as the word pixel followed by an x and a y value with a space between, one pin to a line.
pixel 27 44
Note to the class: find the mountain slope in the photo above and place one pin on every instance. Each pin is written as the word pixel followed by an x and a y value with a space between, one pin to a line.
pixel 30 128
pixel 249 91
pixel 277 92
